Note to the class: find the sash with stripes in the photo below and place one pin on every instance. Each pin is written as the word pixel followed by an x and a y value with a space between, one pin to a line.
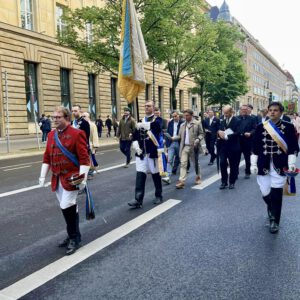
pixel 276 135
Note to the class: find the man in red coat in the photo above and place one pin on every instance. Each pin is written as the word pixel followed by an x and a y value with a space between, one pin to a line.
pixel 74 140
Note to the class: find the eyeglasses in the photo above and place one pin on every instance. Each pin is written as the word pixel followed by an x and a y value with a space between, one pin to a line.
pixel 56 117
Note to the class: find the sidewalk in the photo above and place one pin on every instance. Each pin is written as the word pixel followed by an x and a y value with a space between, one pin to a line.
pixel 22 146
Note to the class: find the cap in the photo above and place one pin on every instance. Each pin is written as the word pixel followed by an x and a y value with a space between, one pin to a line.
pixel 127 109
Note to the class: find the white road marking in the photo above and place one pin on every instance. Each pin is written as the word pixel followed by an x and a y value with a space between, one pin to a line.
pixel 17 168
pixel 12 166
pixel 211 180
pixel 37 279
pixel 48 183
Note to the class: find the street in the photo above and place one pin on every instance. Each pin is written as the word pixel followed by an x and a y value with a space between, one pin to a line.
pixel 199 244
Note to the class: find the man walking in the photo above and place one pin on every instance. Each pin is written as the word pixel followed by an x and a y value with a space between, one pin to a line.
pixel 211 127
pixel 125 132
pixel 99 124
pixel 247 129
pixel 145 144
pixel 80 123
pixel 190 135
pixel 275 147
pixel 229 147
pixel 64 139
pixel 173 146
pixel 108 124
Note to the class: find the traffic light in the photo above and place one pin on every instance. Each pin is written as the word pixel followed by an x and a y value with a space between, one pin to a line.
pixel 270 97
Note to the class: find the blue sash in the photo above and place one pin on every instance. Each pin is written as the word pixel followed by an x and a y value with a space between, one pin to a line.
pixel 89 203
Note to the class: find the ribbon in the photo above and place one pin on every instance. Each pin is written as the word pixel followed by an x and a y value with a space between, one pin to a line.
pixel 290 185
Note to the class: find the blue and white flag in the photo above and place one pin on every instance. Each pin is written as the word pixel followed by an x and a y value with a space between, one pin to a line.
pixel 133 54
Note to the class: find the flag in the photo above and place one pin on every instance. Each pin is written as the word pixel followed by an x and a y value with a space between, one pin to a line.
pixel 133 54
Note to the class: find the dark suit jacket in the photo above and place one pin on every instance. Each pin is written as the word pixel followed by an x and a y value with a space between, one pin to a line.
pixel 233 143
pixel 170 130
pixel 213 128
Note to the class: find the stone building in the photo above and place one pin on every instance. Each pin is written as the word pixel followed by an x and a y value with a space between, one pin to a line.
pixel 41 74
pixel 266 79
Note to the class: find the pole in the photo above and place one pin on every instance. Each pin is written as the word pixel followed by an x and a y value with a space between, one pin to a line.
pixel 153 81
pixel 32 104
pixel 7 113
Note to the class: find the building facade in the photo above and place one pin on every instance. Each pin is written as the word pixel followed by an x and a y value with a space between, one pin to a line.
pixel 266 79
pixel 41 74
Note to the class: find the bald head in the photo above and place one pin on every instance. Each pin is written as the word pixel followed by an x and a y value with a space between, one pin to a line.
pixel 227 111
pixel 86 116
pixel 149 108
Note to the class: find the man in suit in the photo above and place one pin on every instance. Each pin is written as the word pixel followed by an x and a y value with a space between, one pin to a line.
pixel 211 127
pixel 247 129
pixel 275 147
pixel 228 146
pixel 173 146
pixel 249 112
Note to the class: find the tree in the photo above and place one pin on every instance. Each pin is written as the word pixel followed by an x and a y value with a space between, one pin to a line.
pixel 221 76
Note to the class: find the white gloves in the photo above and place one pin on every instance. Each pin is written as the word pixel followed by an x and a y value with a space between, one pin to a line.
pixel 253 160
pixel 136 147
pixel 292 162
pixel 143 125
pixel 44 170
pixel 83 170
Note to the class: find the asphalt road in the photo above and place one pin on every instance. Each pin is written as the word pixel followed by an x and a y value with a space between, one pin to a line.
pixel 212 245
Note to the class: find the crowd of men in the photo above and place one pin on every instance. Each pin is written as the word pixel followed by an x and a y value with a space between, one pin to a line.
pixel 269 145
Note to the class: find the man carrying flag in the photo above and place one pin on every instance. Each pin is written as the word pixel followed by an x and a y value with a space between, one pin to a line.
pixel 67 178
pixel 275 148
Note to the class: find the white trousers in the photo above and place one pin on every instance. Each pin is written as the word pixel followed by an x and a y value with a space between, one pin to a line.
pixel 146 165
pixel 271 180
pixel 64 197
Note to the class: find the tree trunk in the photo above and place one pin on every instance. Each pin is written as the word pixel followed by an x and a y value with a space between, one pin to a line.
pixel 202 98
pixel 173 103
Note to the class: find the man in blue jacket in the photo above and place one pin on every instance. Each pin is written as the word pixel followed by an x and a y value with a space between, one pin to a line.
pixel 173 146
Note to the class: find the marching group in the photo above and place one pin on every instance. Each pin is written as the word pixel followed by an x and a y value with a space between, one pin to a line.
pixel 268 142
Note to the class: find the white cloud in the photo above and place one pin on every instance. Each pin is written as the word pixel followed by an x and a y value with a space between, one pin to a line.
pixel 275 24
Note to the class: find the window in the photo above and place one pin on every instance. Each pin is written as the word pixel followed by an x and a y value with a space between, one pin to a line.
pixel 89 33
pixel 114 109
pixel 60 23
pixel 160 97
pixel 148 92
pixel 92 95
pixel 31 90
pixel 26 14
pixel 65 88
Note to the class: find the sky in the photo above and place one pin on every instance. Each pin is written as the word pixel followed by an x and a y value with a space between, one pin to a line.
pixel 275 23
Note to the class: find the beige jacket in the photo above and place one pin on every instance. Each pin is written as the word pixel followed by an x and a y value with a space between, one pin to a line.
pixel 94 140
pixel 195 135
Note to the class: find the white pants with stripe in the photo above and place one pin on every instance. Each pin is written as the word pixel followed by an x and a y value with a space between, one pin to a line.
pixel 146 165
pixel 271 180
pixel 65 198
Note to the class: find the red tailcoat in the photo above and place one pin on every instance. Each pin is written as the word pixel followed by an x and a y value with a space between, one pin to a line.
pixel 74 140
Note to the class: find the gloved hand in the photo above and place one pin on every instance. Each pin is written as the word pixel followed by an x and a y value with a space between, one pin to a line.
pixel 136 147
pixel 82 185
pixel 253 160
pixel 292 162
pixel 143 125
pixel 44 170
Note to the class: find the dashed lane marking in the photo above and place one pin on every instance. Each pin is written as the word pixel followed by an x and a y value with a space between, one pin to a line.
pixel 17 168
pixel 48 183
pixel 37 279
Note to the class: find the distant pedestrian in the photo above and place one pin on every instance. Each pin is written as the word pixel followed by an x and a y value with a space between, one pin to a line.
pixel 108 124
pixel 296 123
pixel 125 133
pixel 115 125
pixel 99 124
pixel 228 146
pixel 62 140
pixel 46 128
pixel 211 126
pixel 41 124
pixel 275 147
pixel 190 135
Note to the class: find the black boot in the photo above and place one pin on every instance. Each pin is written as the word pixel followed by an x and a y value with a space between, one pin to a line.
pixel 275 208
pixel 71 218
pixel 158 188
pixel 267 200
pixel 139 190
pixel 65 242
